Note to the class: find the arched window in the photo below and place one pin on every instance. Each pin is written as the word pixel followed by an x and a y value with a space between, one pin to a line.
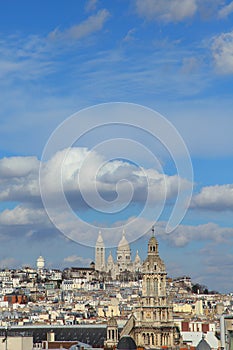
pixel 144 338
pixel 156 286
pixel 148 285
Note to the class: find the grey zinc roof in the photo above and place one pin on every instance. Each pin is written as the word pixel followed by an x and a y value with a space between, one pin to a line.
pixel 203 345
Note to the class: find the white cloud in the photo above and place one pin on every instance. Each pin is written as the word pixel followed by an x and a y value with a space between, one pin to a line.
pixel 77 259
pixel 226 10
pixel 185 234
pixel 89 26
pixel 222 50
pixel 179 10
pixel 19 180
pixel 91 5
pixel 130 35
pixel 21 215
pixel 209 8
pixel 18 166
pixel 8 263
pixel 190 65
pixel 216 268
pixel 218 198
pixel 166 10
pixel 34 56
pixel 103 186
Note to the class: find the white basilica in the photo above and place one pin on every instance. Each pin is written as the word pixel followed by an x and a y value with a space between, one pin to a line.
pixel 123 262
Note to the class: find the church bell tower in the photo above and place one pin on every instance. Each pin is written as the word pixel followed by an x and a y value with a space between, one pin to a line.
pixel 151 324
pixel 100 253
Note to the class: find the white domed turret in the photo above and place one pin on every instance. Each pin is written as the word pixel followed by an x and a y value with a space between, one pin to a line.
pixel 137 259
pixel 137 262
pixel 111 265
pixel 110 259
pixel 40 263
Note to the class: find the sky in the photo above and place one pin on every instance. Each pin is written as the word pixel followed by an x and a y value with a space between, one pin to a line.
pixel 121 63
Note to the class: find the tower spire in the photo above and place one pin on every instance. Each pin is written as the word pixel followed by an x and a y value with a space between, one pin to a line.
pixel 153 231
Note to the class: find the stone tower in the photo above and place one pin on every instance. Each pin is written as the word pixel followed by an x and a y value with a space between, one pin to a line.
pixel 151 324
pixel 112 333
pixel 100 254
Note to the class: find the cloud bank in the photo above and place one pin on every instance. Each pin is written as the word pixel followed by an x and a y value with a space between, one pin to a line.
pixel 166 10
pixel 216 198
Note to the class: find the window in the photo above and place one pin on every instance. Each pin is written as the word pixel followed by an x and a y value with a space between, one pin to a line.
pixel 148 285
pixel 155 286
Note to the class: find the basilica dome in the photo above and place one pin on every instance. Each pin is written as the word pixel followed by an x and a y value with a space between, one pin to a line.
pixel 40 262
pixel 123 244
pixel 110 259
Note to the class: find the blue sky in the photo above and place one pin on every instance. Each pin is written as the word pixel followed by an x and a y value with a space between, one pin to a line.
pixel 173 56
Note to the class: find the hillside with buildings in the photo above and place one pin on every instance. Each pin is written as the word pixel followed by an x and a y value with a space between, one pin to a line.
pixel 135 298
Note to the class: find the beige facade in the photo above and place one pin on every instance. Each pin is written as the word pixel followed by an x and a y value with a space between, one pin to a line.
pixel 199 307
pixel 109 308
pixel 19 343
pixel 182 308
